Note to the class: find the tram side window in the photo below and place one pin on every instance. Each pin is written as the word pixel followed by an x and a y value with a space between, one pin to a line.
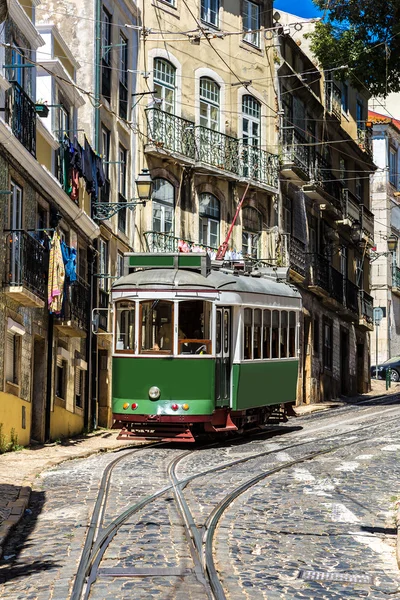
pixel 157 333
pixel 247 345
pixel 125 330
pixel 275 334
pixel 267 334
pixel 284 334
pixel 292 334
pixel 194 335
pixel 257 334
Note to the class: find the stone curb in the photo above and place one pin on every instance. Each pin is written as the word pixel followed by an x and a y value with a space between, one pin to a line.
pixel 17 507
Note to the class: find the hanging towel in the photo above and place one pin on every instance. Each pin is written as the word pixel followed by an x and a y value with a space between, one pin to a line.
pixel 88 167
pixel 69 259
pixel 56 276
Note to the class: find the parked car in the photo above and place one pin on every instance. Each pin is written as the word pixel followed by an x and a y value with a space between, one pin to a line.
pixel 393 364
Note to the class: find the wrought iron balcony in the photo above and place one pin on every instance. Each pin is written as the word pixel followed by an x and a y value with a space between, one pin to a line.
pixel 366 304
pixel 367 224
pixel 26 269
pixel 20 114
pixel 336 285
pixel 296 154
pixel 209 148
pixel 171 132
pixel 164 242
pixel 352 296
pixel 364 137
pixel 73 321
pixel 333 99
pixel 324 187
pixel 297 256
pixel 350 208
pixel 320 280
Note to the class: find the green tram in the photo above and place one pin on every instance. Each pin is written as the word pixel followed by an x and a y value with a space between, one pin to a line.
pixel 199 349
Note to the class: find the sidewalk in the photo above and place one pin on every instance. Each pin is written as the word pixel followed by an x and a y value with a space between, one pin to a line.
pixel 18 471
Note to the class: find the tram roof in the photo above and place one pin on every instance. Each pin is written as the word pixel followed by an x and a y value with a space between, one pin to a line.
pixel 173 279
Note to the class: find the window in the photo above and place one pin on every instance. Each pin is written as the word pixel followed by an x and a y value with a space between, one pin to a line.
pixel 105 149
pixel 316 336
pixel 106 54
pixel 63 122
pixel 247 334
pixel 284 334
pixel 287 215
pixel 209 220
pixel 120 264
pixel 123 76
pixel 79 387
pixel 251 125
pixel 328 340
pixel 360 115
pixel 266 334
pixel 122 166
pixel 209 103
pixel 157 332
pixel 251 22
pixel 125 326
pixel 17 73
pixel 292 334
pixel 209 11
pixel 103 264
pixel 393 166
pixel 13 358
pixel 257 323
pixel 275 334
pixel 345 98
pixel 61 369
pixel 164 84
pixel 342 170
pixel 163 200
pixel 251 231
pixel 194 327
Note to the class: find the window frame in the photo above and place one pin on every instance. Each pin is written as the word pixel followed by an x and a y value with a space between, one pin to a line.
pixel 164 84
pixel 141 352
pixel 104 263
pixel 267 324
pixel 135 307
pixel 253 12
pixel 208 218
pixel 206 10
pixel 163 206
pixel 208 102
pixel 16 360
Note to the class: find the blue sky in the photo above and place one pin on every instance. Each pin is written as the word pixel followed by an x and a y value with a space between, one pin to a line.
pixel 301 8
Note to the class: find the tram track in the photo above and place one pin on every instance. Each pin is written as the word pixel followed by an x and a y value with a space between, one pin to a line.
pixel 98 540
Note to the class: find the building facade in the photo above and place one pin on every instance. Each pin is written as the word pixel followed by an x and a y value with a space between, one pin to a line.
pixel 44 363
pixel 386 208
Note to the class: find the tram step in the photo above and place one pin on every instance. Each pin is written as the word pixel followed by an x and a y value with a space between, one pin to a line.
pixel 165 434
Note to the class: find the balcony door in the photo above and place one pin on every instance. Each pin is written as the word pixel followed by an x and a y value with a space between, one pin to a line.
pixel 252 224
pixel 163 200
pixel 251 126
pixel 164 85
pixel 209 213
pixel 15 220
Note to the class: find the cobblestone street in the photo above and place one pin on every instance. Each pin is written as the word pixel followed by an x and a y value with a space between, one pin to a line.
pixel 317 521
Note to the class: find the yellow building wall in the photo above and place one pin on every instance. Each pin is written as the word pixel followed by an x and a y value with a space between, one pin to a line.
pixel 64 423
pixel 11 417
pixel 43 152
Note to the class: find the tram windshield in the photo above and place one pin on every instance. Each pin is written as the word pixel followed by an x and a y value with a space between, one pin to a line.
pixel 156 326
pixel 194 336
pixel 125 334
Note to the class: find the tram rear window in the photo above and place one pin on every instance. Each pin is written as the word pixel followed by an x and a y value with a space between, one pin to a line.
pixel 194 329
pixel 125 330
pixel 156 332
pixel 269 334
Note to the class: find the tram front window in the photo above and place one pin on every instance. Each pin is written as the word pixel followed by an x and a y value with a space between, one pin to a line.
pixel 156 326
pixel 125 331
pixel 194 335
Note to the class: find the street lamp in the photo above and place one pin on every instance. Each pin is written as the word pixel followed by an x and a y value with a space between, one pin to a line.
pixel 105 210
pixel 392 242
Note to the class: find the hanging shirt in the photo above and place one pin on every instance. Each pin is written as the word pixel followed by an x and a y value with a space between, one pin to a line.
pixel 55 286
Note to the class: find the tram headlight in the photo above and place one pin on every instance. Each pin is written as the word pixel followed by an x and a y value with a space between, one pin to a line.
pixel 154 392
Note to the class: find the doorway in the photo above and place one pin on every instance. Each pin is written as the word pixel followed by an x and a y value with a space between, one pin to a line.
pixel 361 387
pixel 104 416
pixel 344 362
pixel 223 357
pixel 38 391
pixel 306 360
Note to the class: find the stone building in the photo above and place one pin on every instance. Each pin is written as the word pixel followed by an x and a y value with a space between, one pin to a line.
pixel 103 38
pixel 385 195
pixel 44 358
pixel 327 224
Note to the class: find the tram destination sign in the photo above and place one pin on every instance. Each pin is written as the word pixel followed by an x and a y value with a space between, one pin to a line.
pixel 197 261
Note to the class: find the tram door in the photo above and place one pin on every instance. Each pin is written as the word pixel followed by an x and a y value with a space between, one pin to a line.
pixel 223 357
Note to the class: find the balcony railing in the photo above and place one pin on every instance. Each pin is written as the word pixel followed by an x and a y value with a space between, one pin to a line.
pixel 364 137
pixel 297 256
pixel 367 221
pixel 295 149
pixel 20 114
pixel 351 206
pixel 171 132
pixel 366 306
pixel 320 272
pixel 333 99
pixel 322 174
pixel 77 303
pixel 352 296
pixel 336 285
pixel 26 263
pixel 165 242
pixel 211 147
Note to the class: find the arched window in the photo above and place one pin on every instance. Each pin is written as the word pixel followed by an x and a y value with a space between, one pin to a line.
pixel 252 224
pixel 164 84
pixel 163 200
pixel 209 103
pixel 251 118
pixel 209 220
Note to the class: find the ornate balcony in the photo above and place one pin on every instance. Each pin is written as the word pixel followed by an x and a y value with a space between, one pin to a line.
pixel 364 138
pixel 297 259
pixel 352 297
pixel 171 133
pixel 333 99
pixel 324 188
pixel 20 114
pixel 207 149
pixel 350 209
pixel 164 242
pixel 319 275
pixel 367 225
pixel 73 321
pixel 296 156
pixel 336 285
pixel 366 310
pixel 26 269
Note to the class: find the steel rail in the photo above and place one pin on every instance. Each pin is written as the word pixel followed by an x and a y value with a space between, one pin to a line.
pixel 94 551
pixel 214 518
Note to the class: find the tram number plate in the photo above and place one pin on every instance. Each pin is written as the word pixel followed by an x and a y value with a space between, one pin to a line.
pixel 335 576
